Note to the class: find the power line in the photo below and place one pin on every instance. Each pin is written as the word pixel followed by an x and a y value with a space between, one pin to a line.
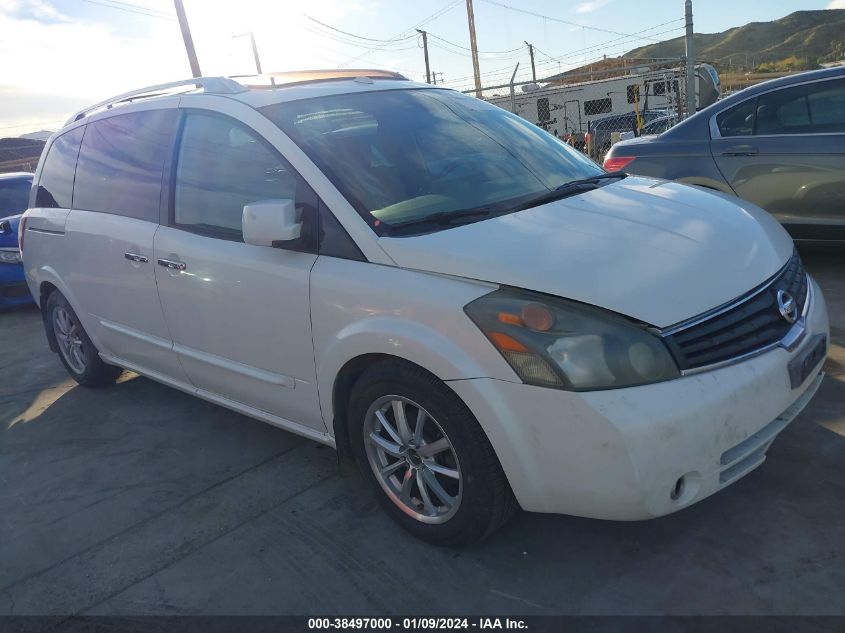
pixel 440 12
pixel 397 46
pixel 576 52
pixel 134 8
pixel 486 55
pixel 633 36
pixel 520 48
pixel 142 7
pixel 592 49
pixel 539 50
pixel 466 86
pixel 360 37
pixel 548 17
pixel 497 71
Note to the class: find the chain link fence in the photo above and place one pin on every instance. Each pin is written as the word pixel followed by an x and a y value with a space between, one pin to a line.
pixel 593 109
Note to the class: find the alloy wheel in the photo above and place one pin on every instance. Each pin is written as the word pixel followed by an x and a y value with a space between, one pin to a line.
pixel 413 459
pixel 69 337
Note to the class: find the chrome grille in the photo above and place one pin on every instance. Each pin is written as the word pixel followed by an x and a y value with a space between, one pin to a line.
pixel 749 324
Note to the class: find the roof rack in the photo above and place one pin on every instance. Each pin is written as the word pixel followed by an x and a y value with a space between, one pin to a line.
pixel 289 78
pixel 211 85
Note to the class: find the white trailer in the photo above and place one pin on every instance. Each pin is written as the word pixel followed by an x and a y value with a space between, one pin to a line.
pixel 568 109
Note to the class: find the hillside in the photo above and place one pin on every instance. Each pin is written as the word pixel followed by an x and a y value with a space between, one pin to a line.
pixel 19 154
pixel 809 37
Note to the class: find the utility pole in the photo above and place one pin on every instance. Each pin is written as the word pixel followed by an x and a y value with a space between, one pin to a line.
pixel 474 46
pixel 254 48
pixel 186 36
pixel 531 53
pixel 255 52
pixel 425 50
pixel 690 59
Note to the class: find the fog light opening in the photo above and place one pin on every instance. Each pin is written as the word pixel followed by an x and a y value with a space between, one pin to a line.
pixel 678 489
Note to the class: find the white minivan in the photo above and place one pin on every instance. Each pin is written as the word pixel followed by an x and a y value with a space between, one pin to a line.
pixel 478 314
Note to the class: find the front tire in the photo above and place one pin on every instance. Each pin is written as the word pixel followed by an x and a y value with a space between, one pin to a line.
pixel 76 351
pixel 430 463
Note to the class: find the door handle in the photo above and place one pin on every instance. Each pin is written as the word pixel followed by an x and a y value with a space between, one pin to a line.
pixel 167 263
pixel 133 257
pixel 741 150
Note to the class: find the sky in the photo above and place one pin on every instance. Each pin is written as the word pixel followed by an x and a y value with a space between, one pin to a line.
pixel 57 56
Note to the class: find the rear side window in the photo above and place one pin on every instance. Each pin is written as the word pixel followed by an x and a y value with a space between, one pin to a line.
pixel 55 187
pixel 813 108
pixel 121 162
pixel 223 166
pixel 738 120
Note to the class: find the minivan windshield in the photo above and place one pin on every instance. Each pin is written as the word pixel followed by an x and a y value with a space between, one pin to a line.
pixel 401 157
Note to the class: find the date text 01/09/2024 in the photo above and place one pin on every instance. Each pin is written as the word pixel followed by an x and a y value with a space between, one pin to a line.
pixel 411 624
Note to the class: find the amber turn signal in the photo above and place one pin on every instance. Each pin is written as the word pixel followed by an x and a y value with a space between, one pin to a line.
pixel 507 343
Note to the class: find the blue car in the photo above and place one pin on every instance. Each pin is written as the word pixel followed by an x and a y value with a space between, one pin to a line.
pixel 14 199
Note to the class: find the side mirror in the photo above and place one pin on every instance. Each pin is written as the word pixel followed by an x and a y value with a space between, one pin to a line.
pixel 269 222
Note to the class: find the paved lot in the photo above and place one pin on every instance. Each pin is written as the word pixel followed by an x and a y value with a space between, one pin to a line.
pixel 141 500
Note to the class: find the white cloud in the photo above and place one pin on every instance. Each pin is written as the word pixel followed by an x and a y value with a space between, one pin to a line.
pixel 54 63
pixel 595 5
pixel 836 4
pixel 23 110
pixel 37 8
pixel 281 30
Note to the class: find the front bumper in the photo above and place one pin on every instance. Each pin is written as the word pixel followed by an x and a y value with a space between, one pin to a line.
pixel 619 454
pixel 13 288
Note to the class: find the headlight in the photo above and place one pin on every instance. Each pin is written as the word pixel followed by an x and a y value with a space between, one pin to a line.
pixel 553 342
pixel 10 256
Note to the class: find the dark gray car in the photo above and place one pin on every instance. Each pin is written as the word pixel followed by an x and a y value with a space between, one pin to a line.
pixel 779 144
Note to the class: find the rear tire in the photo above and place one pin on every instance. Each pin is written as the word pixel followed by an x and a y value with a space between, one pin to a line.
pixel 75 349
pixel 441 481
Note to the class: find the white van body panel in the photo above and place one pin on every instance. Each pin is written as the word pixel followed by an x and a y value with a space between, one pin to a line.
pixel 49 220
pixel 118 296
pixel 240 320
pixel 360 308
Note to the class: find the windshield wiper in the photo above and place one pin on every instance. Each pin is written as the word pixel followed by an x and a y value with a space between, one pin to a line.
pixel 567 189
pixel 445 218
pixel 466 216
pixel 592 179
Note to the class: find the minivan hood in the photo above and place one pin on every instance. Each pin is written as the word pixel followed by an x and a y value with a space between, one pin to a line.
pixel 660 252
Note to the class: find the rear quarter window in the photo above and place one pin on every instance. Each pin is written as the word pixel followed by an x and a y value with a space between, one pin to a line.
pixel 738 120
pixel 827 106
pixel 121 162
pixel 55 186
